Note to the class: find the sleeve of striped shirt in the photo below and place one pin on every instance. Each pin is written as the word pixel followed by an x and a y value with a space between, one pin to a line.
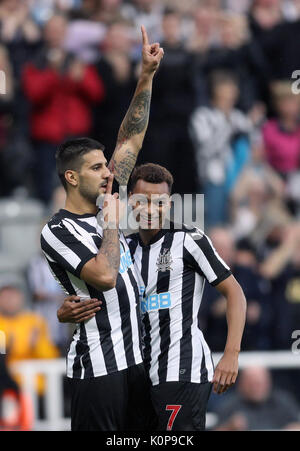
pixel 201 255
pixel 66 247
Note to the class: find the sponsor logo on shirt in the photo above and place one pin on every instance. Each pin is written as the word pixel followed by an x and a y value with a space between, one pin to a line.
pixel 154 302
pixel 125 260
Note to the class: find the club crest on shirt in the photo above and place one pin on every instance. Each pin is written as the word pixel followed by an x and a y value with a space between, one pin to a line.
pixel 164 261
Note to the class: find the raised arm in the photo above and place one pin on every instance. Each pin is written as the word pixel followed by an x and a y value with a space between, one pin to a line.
pixel 133 128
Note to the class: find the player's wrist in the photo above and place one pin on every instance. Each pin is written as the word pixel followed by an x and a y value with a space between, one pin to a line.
pixel 232 351
pixel 147 73
pixel 110 225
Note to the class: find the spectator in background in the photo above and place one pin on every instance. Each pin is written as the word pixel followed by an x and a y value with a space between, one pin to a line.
pixel 281 266
pixel 61 91
pixel 22 38
pixel 259 320
pixel 47 296
pixel 282 134
pixel 9 83
pixel 46 293
pixel 85 10
pixel 41 11
pixel 109 11
pixel 204 34
pixel 198 41
pixel 145 12
pixel 243 261
pixel 257 186
pixel 168 142
pixel 15 409
pixel 213 130
pixel 277 37
pixel 293 194
pixel 18 32
pixel 15 152
pixel 117 72
pixel 256 405
pixel 27 335
pixel 239 53
pixel 6 122
pixel 266 22
pixel 186 8
pixel 85 33
pixel 265 15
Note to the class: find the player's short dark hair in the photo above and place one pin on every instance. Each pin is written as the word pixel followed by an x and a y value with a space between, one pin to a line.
pixel 151 173
pixel 69 155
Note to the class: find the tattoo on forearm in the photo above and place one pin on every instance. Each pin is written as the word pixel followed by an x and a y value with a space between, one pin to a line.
pixel 134 123
pixel 123 168
pixel 110 247
pixel 137 116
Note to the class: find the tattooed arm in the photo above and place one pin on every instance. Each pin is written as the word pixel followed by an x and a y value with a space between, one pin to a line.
pixel 131 135
pixel 133 128
pixel 102 271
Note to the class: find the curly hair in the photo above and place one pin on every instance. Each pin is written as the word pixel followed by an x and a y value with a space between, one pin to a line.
pixel 151 173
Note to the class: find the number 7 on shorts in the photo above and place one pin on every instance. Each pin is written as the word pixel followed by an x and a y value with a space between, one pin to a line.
pixel 175 409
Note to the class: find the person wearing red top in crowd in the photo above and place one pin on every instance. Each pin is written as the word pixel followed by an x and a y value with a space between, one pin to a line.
pixel 61 91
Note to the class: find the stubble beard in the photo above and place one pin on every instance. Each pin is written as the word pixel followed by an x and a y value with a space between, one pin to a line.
pixel 89 195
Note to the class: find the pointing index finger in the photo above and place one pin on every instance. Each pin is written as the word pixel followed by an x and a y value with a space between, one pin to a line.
pixel 109 184
pixel 145 36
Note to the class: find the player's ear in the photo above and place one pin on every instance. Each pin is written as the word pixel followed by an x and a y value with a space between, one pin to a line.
pixel 71 177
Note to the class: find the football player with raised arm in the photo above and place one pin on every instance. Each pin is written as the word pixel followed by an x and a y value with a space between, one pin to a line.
pixel 92 263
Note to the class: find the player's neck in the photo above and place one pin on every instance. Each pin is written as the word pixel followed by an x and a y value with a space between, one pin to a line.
pixel 147 235
pixel 80 206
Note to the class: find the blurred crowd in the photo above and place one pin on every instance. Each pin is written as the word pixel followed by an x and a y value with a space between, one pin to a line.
pixel 225 120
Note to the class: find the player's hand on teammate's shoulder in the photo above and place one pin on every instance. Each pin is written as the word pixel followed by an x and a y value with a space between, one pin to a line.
pixel 75 311
pixel 152 54
pixel 226 372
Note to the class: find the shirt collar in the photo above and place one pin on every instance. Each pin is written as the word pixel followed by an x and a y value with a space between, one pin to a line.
pixel 69 214
pixel 159 235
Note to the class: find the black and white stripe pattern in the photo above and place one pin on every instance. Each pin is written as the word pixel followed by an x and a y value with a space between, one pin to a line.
pixel 174 267
pixel 111 341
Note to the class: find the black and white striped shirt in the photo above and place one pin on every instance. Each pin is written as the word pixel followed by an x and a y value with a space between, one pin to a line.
pixel 111 341
pixel 172 270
